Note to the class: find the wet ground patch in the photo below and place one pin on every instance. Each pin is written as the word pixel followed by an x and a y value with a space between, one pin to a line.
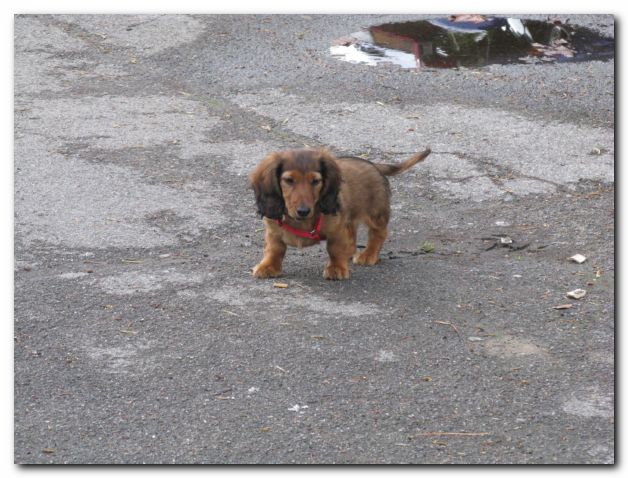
pixel 473 41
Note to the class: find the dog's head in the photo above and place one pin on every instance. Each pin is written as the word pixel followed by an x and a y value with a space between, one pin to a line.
pixel 297 182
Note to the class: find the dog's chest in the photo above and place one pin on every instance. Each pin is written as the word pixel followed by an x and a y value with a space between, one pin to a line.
pixel 296 241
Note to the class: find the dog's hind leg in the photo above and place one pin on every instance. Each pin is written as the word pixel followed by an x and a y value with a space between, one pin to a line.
pixel 378 232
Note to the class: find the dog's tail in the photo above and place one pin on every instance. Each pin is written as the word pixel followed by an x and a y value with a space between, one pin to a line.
pixel 394 169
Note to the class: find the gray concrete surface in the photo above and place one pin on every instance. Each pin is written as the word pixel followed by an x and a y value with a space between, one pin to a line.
pixel 140 336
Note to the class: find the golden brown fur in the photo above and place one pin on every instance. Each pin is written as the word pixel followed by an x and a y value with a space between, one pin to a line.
pixel 300 185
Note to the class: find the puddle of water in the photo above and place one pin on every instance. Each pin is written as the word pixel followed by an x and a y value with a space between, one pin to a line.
pixel 472 41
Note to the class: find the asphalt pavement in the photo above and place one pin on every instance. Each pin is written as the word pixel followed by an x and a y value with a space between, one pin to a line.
pixel 140 335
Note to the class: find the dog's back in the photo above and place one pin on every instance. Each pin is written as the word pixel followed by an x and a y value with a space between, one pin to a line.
pixel 364 191
pixel 367 191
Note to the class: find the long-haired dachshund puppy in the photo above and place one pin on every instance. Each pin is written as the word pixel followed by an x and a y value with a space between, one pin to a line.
pixel 309 195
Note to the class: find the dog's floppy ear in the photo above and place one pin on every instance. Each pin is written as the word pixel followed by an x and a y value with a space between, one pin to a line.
pixel 265 182
pixel 328 201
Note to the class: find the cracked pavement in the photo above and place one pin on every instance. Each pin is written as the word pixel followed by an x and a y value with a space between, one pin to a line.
pixel 140 336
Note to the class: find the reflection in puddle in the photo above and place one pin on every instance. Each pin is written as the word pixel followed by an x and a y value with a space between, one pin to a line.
pixel 473 41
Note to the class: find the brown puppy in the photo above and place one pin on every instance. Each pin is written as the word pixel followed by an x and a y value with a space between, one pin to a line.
pixel 308 195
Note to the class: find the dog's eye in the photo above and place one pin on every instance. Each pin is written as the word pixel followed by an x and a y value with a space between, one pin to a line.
pixel 288 181
pixel 315 182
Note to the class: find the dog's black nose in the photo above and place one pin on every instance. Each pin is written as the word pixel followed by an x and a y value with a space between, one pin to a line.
pixel 303 211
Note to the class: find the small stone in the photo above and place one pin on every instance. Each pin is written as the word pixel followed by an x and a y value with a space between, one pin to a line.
pixel 579 258
pixel 577 293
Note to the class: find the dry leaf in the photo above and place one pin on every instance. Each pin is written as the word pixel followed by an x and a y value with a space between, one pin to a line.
pixel 344 41
pixel 427 247
pixel 468 18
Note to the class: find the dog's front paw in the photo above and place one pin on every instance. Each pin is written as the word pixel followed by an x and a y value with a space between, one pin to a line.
pixel 336 272
pixel 264 271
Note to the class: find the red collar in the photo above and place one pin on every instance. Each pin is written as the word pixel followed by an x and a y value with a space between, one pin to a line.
pixel 314 234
